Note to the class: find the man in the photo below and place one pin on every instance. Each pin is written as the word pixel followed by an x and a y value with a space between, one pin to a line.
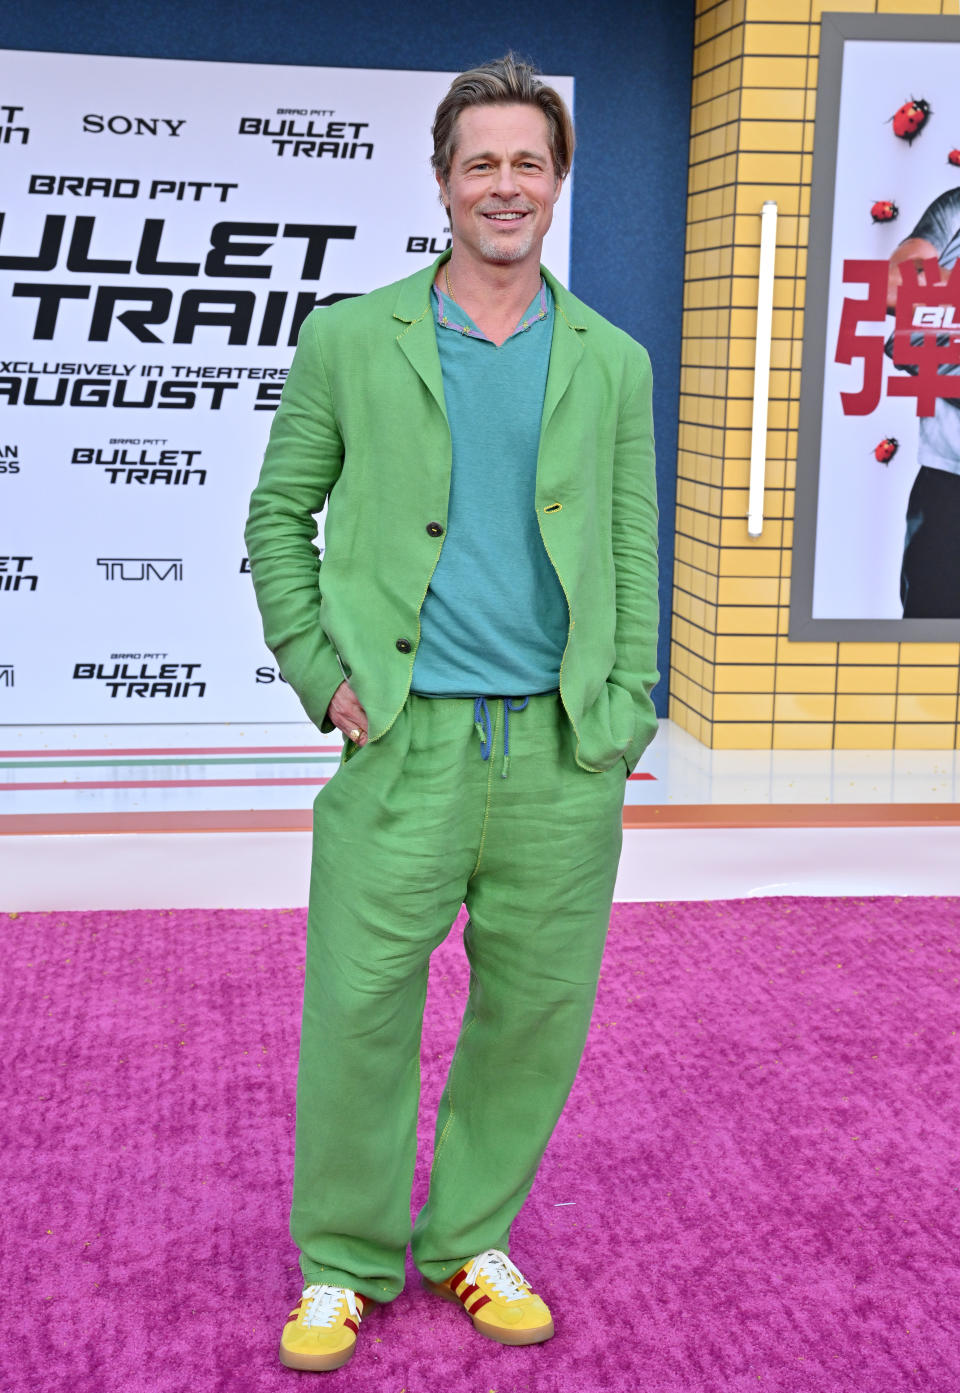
pixel 483 632
pixel 930 573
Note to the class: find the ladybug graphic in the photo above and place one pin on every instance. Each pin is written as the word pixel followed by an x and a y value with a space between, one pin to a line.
pixel 953 157
pixel 884 210
pixel 911 118
pixel 886 450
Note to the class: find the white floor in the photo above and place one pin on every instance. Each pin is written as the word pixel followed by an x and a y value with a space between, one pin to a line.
pixel 177 769
pixel 688 772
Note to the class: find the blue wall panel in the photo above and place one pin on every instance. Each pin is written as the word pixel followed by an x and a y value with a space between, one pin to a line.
pixel 632 64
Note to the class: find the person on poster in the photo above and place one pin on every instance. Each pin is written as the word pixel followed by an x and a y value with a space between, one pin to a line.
pixel 930 569
pixel 482 629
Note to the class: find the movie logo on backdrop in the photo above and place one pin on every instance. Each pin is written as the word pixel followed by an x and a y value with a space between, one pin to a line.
pixel 878 482
pixel 433 245
pixel 12 129
pixel 143 677
pixel 160 251
pixel 245 561
pixel 7 675
pixel 138 310
pixel 146 463
pixel 318 139
pixel 18 573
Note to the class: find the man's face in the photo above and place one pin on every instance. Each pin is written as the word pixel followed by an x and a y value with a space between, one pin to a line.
pixel 502 184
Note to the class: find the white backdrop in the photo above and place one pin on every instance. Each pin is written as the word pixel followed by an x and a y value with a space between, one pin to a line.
pixel 165 225
pixel 862 503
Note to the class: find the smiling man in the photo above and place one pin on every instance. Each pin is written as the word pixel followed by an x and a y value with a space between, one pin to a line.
pixel 483 632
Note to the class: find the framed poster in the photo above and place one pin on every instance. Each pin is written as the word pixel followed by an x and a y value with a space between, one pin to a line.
pixel 876 550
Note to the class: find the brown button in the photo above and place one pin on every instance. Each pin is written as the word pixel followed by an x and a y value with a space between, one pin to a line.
pixel 434 529
pixel 404 645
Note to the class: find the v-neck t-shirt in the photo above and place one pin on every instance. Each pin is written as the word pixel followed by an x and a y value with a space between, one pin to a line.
pixel 494 620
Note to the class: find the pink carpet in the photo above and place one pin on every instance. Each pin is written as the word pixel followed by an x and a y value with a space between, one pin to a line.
pixel 755 1185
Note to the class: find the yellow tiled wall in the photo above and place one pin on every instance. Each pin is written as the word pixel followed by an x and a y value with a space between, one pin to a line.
pixel 736 682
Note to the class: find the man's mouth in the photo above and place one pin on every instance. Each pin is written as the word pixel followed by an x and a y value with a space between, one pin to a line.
pixel 513 215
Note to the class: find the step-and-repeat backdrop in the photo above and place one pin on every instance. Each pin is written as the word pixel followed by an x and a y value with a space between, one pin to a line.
pixel 165 227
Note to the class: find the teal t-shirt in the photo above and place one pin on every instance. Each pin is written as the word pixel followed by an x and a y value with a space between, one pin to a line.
pixel 494 621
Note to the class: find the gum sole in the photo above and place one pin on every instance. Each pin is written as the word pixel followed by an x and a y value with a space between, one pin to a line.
pixel 513 1337
pixel 492 1332
pixel 317 1363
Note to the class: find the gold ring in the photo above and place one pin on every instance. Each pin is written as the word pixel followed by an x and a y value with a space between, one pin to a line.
pixel 355 733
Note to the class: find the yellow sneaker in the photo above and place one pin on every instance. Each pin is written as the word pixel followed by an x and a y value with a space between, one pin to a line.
pixel 498 1300
pixel 321 1330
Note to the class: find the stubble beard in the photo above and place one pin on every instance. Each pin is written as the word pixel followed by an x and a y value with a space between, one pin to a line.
pixel 505 253
pixel 494 250
pixel 500 251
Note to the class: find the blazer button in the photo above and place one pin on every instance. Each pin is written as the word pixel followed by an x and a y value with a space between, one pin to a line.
pixel 434 529
pixel 404 645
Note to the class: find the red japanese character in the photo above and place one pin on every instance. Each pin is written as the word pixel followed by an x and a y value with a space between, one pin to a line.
pixel 852 345
pixel 927 335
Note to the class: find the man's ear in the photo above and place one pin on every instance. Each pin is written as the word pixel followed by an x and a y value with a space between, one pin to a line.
pixel 558 190
pixel 444 195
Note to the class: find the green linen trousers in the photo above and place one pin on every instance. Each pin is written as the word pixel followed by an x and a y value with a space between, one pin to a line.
pixel 409 828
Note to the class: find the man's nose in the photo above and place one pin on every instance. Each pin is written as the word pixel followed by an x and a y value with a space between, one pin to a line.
pixel 506 181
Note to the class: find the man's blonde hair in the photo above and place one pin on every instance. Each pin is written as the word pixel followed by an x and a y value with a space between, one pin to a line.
pixel 504 82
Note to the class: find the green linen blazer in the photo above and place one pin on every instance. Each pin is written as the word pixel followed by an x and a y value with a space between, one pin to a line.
pixel 362 429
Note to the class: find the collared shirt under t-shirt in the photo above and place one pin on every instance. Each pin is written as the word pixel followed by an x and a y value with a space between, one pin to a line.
pixel 495 619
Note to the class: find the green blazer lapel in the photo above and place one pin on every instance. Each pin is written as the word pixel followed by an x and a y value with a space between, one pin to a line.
pixel 566 349
pixel 418 337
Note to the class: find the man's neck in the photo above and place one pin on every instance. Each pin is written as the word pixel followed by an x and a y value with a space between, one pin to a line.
pixel 494 295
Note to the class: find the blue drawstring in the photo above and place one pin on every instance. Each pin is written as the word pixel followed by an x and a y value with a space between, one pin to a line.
pixel 484 728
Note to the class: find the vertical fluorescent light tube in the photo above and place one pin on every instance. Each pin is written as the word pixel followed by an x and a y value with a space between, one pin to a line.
pixel 761 368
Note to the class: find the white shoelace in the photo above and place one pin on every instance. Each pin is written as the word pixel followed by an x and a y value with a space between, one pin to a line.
pixel 324 1304
pixel 507 1281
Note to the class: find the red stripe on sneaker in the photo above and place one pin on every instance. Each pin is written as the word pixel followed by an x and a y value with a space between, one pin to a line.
pixel 467 1292
pixel 483 1301
pixel 457 1278
pixel 351 1325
